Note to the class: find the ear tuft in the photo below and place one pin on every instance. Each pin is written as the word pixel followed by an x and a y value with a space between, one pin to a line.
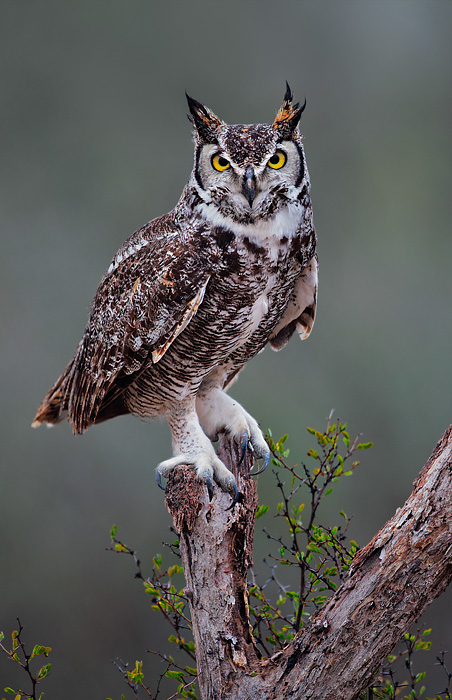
pixel 286 121
pixel 206 123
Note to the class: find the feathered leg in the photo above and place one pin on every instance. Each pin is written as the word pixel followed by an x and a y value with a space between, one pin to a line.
pixel 192 446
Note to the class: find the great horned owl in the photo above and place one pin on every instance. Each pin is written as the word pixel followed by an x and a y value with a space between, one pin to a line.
pixel 191 296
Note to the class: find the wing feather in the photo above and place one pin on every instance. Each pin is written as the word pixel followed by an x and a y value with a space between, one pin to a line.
pixel 147 298
pixel 299 314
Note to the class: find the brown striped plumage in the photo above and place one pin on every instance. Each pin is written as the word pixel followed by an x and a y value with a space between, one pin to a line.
pixel 193 295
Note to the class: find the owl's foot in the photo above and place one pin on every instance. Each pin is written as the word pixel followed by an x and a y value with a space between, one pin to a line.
pixel 208 467
pixel 248 445
pixel 219 413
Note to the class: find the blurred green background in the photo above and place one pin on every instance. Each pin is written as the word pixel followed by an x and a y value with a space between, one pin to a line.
pixel 94 143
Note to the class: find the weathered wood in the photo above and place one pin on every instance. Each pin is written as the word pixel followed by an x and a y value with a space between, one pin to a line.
pixel 216 548
pixel 391 583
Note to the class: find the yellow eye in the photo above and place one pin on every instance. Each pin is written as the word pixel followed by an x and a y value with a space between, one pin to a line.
pixel 277 160
pixel 220 163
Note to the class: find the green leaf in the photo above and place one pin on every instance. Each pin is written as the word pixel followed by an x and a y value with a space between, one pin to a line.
pixel 313 453
pixel 43 672
pixel 136 674
pixel 151 591
pixel 2 636
pixel 179 675
pixel 40 650
pixel 261 510
pixel 364 445
pixel 313 548
pixel 157 561
pixel 192 671
pixel 10 691
pixel 113 531
pixel 120 548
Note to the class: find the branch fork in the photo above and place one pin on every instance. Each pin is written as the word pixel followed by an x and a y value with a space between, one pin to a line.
pixel 390 584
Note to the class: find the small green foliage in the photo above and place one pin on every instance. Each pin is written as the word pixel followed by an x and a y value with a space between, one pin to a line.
pixel 364 445
pixel 136 675
pixel 167 599
pixel 179 675
pixel 42 673
pixel 321 555
pixel 387 686
pixel 261 510
pixel 40 650
pixel 18 653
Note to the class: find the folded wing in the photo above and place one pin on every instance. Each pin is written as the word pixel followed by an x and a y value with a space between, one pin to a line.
pixel 145 301
pixel 299 314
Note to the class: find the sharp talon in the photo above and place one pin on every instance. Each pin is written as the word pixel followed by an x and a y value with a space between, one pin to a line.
pixel 208 483
pixel 244 446
pixel 236 496
pixel 158 478
pixel 264 467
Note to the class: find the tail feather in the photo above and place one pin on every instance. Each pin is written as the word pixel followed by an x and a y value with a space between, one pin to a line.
pixel 85 396
pixel 54 406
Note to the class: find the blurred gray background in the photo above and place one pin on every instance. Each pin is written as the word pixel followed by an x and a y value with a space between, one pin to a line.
pixel 94 143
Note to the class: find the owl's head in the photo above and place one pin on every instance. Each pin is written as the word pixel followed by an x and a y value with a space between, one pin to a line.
pixel 248 172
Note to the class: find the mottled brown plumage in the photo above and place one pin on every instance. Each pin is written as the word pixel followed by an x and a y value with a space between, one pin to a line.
pixel 193 295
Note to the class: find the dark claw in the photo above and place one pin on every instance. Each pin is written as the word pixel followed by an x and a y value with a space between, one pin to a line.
pixel 236 496
pixel 208 483
pixel 158 478
pixel 264 467
pixel 244 446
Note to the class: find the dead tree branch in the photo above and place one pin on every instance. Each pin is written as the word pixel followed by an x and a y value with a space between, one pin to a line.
pixel 391 583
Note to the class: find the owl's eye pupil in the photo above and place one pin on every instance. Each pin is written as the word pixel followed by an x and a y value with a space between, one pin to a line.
pixel 222 162
pixel 274 160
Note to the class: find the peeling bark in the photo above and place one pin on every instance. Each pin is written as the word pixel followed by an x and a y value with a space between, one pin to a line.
pixel 390 584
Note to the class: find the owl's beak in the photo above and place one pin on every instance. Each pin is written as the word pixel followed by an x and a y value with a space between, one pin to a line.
pixel 249 185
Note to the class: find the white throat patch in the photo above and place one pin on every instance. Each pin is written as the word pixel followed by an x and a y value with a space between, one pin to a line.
pixel 264 232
